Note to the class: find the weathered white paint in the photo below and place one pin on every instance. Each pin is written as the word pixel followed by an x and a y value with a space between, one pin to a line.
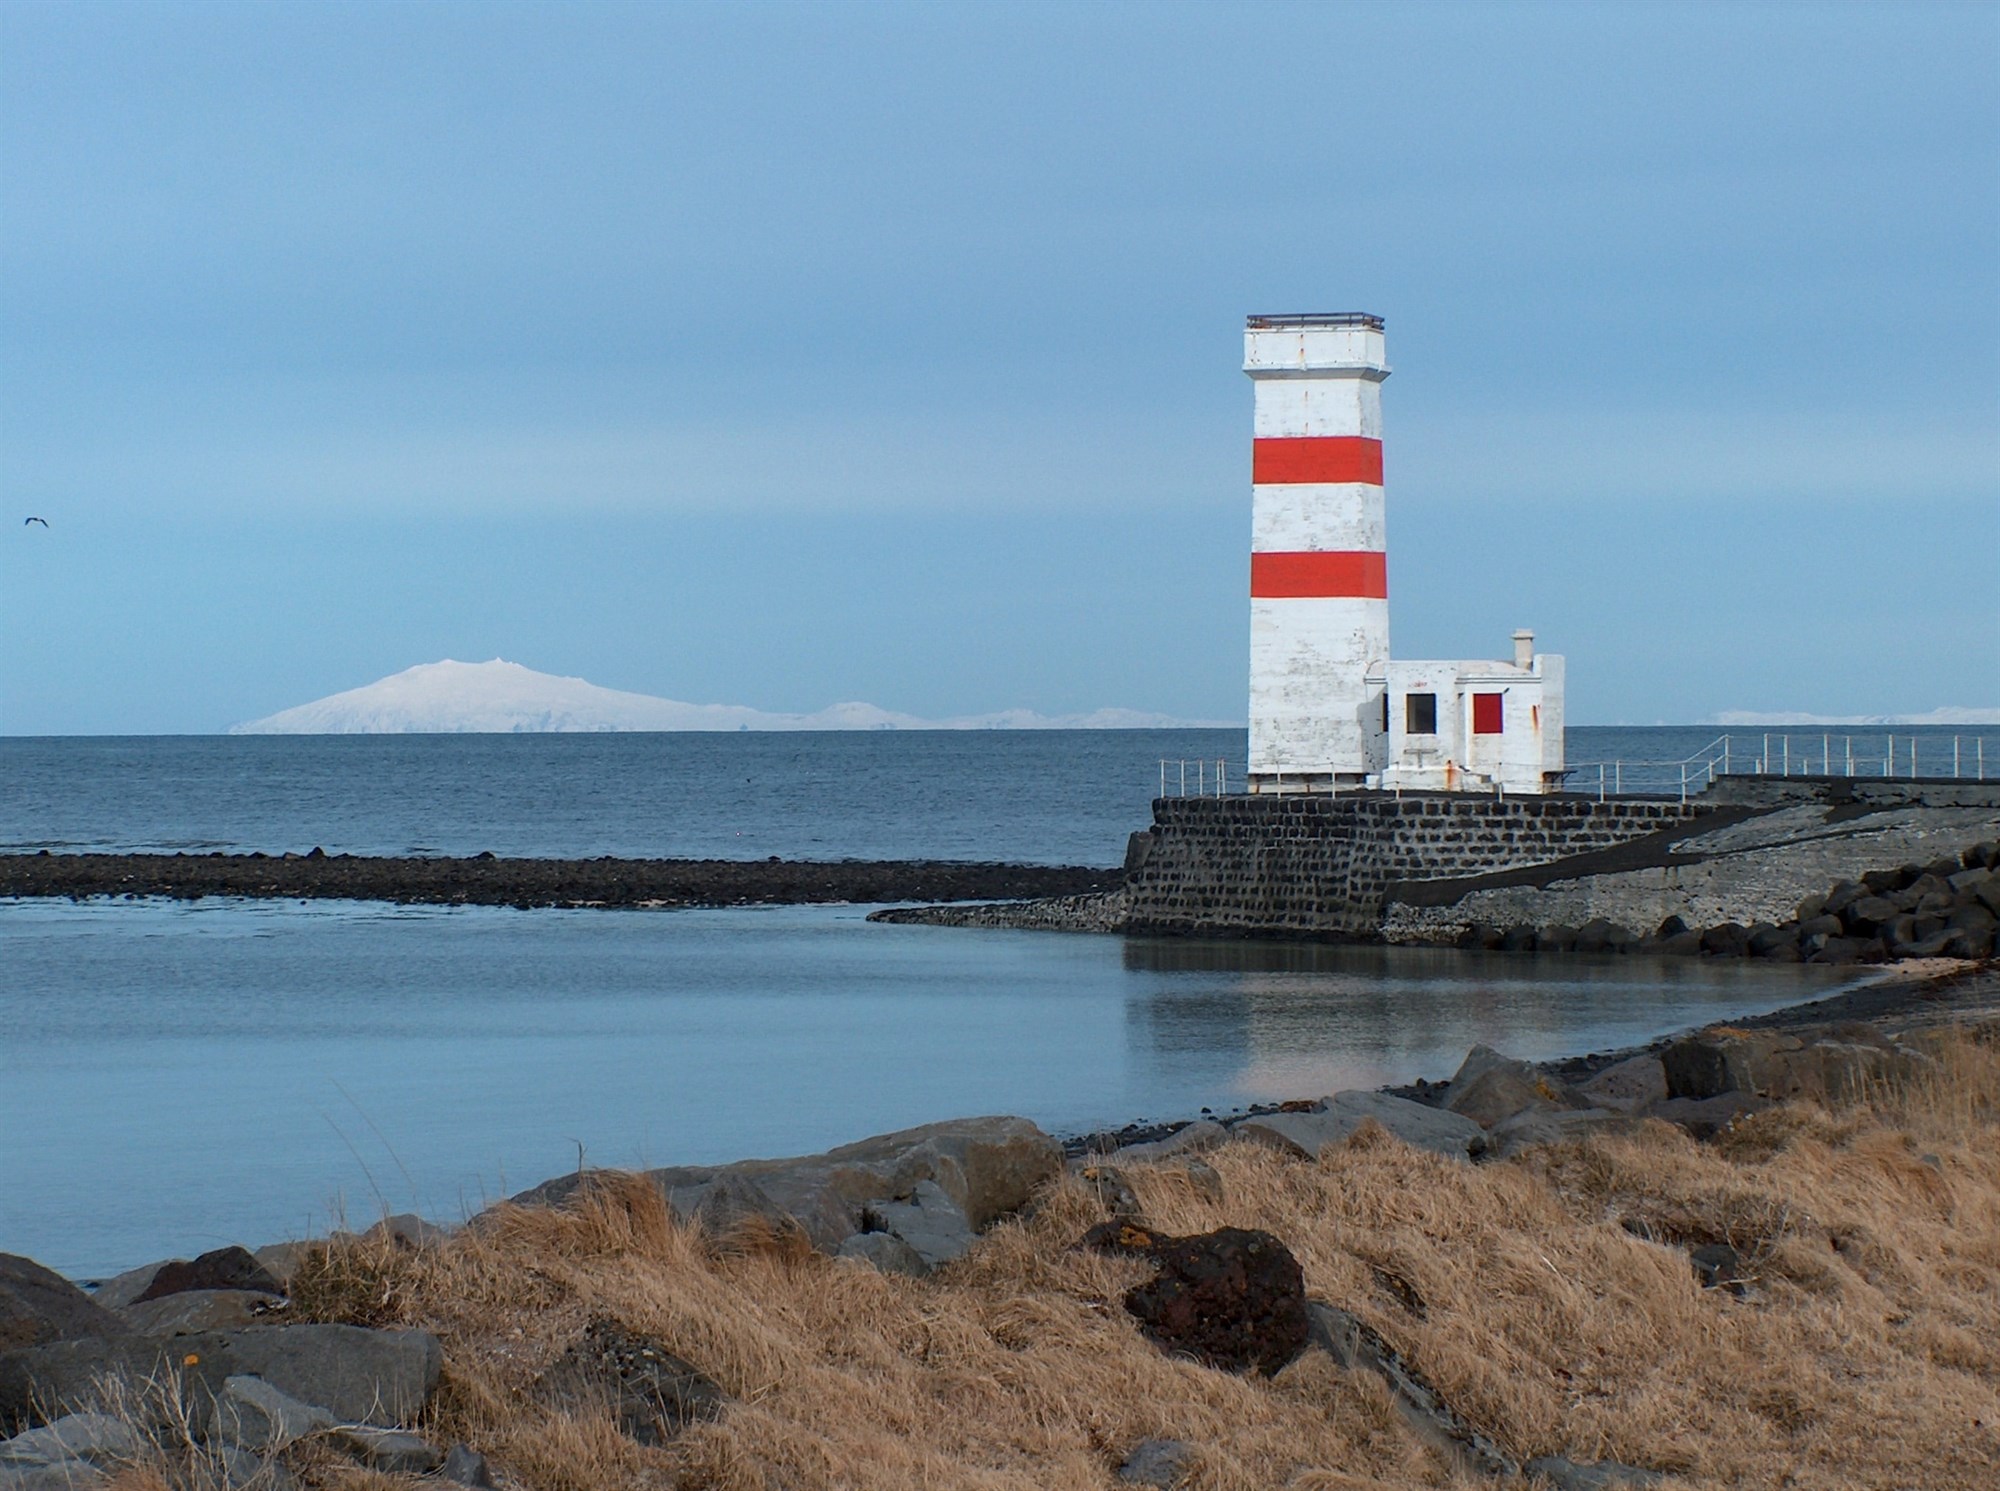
pixel 1315 714
pixel 1306 517
pixel 1526 756
pixel 1313 711
pixel 1314 350
pixel 1320 668
pixel 1295 404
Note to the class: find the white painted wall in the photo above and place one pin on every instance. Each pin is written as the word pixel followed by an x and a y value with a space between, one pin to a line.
pixel 1313 710
pixel 1313 517
pixel 1320 403
pixel 1525 757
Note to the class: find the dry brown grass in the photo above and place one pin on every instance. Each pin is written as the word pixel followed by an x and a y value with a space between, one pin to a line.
pixel 1549 1299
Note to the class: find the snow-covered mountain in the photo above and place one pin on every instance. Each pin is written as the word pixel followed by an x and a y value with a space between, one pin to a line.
pixel 465 698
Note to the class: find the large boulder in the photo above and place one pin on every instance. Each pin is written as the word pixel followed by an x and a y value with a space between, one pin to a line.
pixel 1704 1118
pixel 253 1415
pixel 89 1437
pixel 1337 1117
pixel 223 1268
pixel 1489 1087
pixel 1727 940
pixel 1417 1124
pixel 1533 1127
pixel 1627 1086
pixel 1832 1065
pixel 1723 1059
pixel 986 1167
pixel 930 1223
pixel 1867 916
pixel 200 1310
pixel 886 1253
pixel 382 1377
pixel 38 1306
pixel 391 1451
pixel 1233 1299
pixel 65 1475
pixel 1302 1135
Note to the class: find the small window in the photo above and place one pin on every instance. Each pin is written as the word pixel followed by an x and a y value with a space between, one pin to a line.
pixel 1420 714
pixel 1385 711
pixel 1486 715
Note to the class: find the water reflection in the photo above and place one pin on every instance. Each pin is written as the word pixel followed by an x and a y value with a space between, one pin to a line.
pixel 429 1058
pixel 1269 1020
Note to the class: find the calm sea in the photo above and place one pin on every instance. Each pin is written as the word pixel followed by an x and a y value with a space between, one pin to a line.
pixel 1035 797
pixel 178 1076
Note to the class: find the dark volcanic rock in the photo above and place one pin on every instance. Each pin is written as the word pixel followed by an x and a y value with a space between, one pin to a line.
pixel 1718 1267
pixel 224 1268
pixel 652 1393
pixel 487 881
pixel 38 1305
pixel 380 1377
pixel 1233 1298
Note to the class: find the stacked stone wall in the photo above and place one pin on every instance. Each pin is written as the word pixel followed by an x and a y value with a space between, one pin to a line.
pixel 1321 866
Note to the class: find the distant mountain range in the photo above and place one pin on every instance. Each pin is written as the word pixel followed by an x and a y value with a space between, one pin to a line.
pixel 501 697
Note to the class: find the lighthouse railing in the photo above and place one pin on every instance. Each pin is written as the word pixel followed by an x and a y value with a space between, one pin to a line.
pixel 1203 776
pixel 1819 754
pixel 1900 755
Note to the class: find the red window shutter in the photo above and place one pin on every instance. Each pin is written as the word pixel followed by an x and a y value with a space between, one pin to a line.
pixel 1486 714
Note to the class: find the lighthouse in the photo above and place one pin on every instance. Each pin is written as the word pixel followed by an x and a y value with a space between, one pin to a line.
pixel 1319 575
pixel 1329 709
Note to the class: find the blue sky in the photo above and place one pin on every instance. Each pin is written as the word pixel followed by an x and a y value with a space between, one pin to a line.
pixel 780 354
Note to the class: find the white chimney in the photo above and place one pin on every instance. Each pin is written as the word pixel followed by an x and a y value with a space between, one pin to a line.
pixel 1524 648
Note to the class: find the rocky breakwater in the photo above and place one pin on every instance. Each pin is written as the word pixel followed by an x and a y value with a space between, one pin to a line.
pixel 487 880
pixel 1832 879
pixel 1948 908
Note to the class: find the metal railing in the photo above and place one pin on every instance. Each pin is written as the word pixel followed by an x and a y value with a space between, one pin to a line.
pixel 1784 754
pixel 1770 753
pixel 1196 778
pixel 1310 320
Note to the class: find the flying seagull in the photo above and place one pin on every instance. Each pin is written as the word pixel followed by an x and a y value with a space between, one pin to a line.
pixel 26 521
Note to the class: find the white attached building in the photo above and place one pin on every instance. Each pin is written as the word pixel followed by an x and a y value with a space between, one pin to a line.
pixel 1475 726
pixel 1329 708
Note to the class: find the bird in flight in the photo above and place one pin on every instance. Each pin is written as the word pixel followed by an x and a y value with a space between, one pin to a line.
pixel 26 521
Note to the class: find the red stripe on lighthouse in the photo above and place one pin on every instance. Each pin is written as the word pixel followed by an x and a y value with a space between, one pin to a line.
pixel 1316 458
pixel 1357 574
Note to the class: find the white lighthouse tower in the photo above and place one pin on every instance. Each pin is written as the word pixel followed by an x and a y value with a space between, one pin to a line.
pixel 1319 579
pixel 1329 710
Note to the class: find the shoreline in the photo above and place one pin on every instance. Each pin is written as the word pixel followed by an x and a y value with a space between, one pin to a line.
pixel 1919 992
pixel 1894 997
pixel 526 883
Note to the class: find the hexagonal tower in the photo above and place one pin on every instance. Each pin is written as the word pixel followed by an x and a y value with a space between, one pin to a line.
pixel 1319 582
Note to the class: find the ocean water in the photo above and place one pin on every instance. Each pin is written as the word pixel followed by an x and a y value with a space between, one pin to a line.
pixel 1034 797
pixel 178 1076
